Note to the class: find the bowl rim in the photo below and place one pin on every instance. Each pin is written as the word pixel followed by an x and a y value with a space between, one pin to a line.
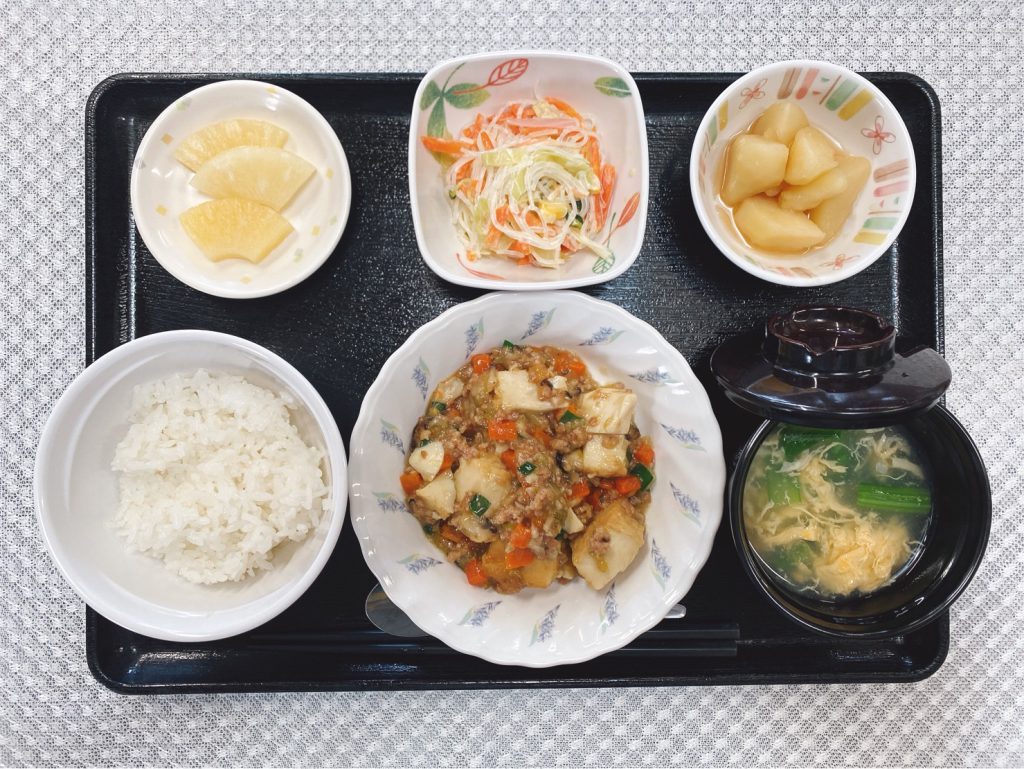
pixel 744 551
pixel 473 281
pixel 745 264
pixel 324 248
pixel 263 610
pixel 367 412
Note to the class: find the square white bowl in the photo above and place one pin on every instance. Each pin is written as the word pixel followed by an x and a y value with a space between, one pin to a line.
pixel 594 86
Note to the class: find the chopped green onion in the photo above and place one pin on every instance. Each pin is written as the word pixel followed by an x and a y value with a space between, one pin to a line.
pixel 428 528
pixel 643 473
pixel 423 442
pixel 568 416
pixel 560 535
pixel 442 407
pixel 478 504
pixel 508 345
pixel 783 489
pixel 527 467
pixel 897 499
pixel 452 193
pixel 786 559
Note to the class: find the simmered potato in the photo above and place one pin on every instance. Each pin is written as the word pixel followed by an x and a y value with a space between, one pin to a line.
pixel 830 215
pixel 609 544
pixel 763 223
pixel 540 573
pixel 754 165
pixel 810 155
pixel 780 122
pixel 807 196
pixel 493 564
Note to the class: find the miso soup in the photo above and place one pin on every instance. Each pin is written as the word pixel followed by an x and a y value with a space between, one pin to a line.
pixel 837 514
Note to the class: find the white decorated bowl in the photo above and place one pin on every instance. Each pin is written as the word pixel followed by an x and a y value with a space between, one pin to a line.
pixel 565 623
pixel 855 113
pixel 160 190
pixel 76 492
pixel 450 96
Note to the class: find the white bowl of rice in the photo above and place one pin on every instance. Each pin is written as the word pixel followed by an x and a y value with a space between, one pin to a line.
pixel 190 485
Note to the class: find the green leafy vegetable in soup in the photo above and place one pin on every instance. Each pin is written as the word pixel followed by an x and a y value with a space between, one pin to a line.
pixel 837 513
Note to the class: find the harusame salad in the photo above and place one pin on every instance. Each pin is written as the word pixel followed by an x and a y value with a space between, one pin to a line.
pixel 525 471
pixel 528 183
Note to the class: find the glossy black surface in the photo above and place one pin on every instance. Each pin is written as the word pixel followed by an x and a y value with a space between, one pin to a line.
pixel 953 549
pixel 339 326
pixel 829 366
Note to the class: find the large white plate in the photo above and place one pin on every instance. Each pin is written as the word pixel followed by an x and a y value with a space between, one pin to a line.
pixel 566 623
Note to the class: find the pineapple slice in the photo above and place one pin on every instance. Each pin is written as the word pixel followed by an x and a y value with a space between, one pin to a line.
pixel 213 139
pixel 231 228
pixel 764 224
pixel 267 175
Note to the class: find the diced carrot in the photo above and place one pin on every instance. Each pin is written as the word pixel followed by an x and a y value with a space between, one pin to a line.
pixel 508 458
pixel 452 534
pixel 564 106
pixel 606 483
pixel 475 574
pixel 447 462
pixel 518 558
pixel 644 454
pixel 446 146
pixel 628 485
pixel 521 535
pixel 566 363
pixel 594 499
pixel 541 435
pixel 580 490
pixel 604 198
pixel 410 482
pixel 480 362
pixel 502 430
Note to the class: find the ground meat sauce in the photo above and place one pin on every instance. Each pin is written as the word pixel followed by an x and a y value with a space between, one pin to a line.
pixel 523 482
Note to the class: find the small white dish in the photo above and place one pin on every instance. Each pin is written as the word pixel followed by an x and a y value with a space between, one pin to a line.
pixel 76 492
pixel 594 86
pixel 857 115
pixel 160 190
pixel 565 623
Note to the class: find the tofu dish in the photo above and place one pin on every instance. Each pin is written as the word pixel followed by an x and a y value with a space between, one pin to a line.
pixel 524 471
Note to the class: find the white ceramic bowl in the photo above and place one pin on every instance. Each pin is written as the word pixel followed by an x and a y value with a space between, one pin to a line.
pixel 76 492
pixel 594 86
pixel 565 623
pixel 160 190
pixel 860 118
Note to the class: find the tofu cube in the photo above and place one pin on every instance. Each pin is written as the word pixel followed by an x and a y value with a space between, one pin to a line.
pixel 484 475
pixel 427 460
pixel 609 544
pixel 607 410
pixel 439 495
pixel 605 455
pixel 517 393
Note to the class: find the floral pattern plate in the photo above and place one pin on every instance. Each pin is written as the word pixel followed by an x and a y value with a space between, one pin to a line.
pixel 854 113
pixel 450 96
pixel 565 623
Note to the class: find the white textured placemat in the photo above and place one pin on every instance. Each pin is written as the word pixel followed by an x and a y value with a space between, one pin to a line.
pixel 52 712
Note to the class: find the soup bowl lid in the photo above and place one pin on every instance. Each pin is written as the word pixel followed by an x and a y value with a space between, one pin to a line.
pixel 827 366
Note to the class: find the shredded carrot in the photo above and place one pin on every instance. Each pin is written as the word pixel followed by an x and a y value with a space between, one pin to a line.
pixel 464 171
pixel 533 219
pixel 564 106
pixel 604 198
pixel 446 146
pixel 524 260
pixel 493 237
pixel 485 140
pixel 521 247
pixel 518 558
pixel 502 214
pixel 592 154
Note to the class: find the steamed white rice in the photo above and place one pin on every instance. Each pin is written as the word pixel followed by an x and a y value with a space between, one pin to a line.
pixel 214 476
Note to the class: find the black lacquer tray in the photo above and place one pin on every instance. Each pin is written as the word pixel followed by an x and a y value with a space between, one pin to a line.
pixel 340 325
